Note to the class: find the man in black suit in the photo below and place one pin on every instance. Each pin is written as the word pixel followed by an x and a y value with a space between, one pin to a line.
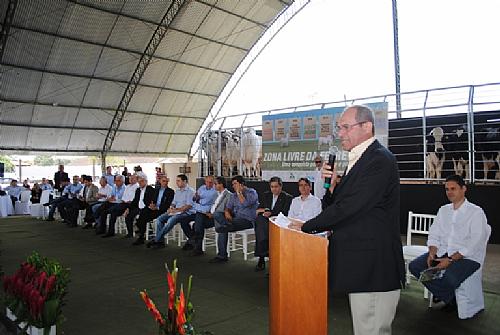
pixel 149 203
pixel 271 203
pixel 59 176
pixel 365 251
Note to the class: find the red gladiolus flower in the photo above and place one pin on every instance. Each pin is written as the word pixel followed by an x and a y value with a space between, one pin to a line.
pixel 49 285
pixel 171 291
pixel 152 308
pixel 181 316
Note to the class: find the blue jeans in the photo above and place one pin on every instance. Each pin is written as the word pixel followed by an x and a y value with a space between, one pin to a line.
pixel 223 227
pixel 165 223
pixel 444 288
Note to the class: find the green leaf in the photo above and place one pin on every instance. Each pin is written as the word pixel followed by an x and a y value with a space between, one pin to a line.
pixel 50 312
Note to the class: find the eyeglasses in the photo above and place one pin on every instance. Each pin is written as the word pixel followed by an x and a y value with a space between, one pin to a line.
pixel 348 127
pixel 317 162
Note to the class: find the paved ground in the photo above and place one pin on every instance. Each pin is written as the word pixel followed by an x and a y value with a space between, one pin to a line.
pixel 231 298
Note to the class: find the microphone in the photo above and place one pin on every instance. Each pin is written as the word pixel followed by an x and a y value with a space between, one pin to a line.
pixel 331 161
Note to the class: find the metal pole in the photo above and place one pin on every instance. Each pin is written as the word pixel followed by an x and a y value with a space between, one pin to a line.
pixel 396 57
pixel 219 153
pixel 93 169
pixel 20 172
pixel 470 132
pixel 424 133
pixel 103 162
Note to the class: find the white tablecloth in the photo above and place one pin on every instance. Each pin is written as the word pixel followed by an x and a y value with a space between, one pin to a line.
pixel 6 206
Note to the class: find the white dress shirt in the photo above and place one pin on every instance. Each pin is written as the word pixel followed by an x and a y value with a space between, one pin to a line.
pixel 275 198
pixel 106 190
pixel 319 189
pixel 129 193
pixel 357 151
pixel 305 210
pixel 465 230
pixel 141 198
pixel 217 201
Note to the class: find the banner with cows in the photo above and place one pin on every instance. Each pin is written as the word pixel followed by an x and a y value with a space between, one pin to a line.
pixel 291 141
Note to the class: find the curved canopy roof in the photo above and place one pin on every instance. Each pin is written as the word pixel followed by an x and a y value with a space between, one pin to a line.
pixel 68 65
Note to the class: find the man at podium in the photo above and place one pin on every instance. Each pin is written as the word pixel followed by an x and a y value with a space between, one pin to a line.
pixel 362 211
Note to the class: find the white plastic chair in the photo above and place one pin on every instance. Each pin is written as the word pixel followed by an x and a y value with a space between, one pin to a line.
pixel 469 295
pixel 23 204
pixel 239 240
pixel 417 224
pixel 38 210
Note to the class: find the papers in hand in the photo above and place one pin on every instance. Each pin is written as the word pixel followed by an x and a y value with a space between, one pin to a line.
pixel 282 221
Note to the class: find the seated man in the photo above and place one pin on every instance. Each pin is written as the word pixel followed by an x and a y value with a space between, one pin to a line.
pixel 119 208
pixel 240 214
pixel 306 206
pixel 180 208
pixel 204 220
pixel 103 193
pixel 203 199
pixel 114 200
pixel 149 203
pixel 271 203
pixel 85 199
pixel 14 191
pixel 45 186
pixel 457 242
pixel 55 202
pixel 71 191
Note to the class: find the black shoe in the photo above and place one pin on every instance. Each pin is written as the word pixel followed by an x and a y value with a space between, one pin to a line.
pixel 128 236
pixel 187 247
pixel 197 253
pixel 450 307
pixel 73 225
pixel 261 265
pixel 46 204
pixel 159 245
pixel 139 241
pixel 100 232
pixel 218 260
pixel 50 219
pixel 108 235
pixel 150 243
pixel 87 226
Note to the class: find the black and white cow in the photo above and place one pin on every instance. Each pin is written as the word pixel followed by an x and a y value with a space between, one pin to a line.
pixel 436 154
pixel 457 148
pixel 488 145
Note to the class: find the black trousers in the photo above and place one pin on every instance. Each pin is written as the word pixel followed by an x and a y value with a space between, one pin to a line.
pixel 262 236
pixel 201 222
pixel 145 215
pixel 73 208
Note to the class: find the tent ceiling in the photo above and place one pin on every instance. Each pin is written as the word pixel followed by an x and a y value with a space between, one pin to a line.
pixel 67 63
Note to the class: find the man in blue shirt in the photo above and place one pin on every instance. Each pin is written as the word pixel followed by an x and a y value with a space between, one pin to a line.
pixel 203 199
pixel 55 202
pixel 181 207
pixel 71 191
pixel 106 208
pixel 45 185
pixel 14 191
pixel 110 178
pixel 240 214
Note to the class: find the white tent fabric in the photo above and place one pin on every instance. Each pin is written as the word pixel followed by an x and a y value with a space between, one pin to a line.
pixel 66 64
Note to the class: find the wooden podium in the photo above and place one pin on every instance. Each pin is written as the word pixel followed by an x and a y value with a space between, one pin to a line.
pixel 298 282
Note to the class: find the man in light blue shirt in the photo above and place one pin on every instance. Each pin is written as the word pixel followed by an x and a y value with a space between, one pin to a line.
pixel 106 208
pixel 110 178
pixel 203 201
pixel 14 191
pixel 240 214
pixel 45 185
pixel 71 191
pixel 181 207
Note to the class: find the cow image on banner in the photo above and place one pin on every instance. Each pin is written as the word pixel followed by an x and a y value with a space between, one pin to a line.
pixel 291 141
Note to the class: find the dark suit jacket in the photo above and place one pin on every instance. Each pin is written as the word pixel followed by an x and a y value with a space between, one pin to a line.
pixel 166 199
pixel 282 203
pixel 58 178
pixel 365 251
pixel 149 195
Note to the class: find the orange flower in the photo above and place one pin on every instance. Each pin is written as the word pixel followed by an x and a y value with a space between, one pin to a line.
pixel 152 308
pixel 171 291
pixel 181 316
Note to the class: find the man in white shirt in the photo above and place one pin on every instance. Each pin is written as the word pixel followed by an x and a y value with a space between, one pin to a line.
pixel 119 209
pixel 319 189
pixel 457 243
pixel 306 206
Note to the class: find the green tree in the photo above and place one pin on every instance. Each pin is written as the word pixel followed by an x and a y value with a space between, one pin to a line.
pixel 8 166
pixel 44 160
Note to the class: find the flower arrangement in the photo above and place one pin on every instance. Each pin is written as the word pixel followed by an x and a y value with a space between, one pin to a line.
pixel 35 292
pixel 177 320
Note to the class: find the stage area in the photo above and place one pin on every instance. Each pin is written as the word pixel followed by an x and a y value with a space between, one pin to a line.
pixel 107 274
